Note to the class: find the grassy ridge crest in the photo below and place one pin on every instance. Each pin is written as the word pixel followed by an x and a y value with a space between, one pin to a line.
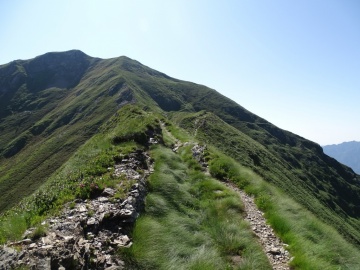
pixel 210 129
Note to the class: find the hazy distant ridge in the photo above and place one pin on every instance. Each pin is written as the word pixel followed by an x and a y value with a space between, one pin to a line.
pixel 347 153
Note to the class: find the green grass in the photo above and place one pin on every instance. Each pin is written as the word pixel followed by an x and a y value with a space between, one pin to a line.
pixel 40 231
pixel 41 130
pixel 86 173
pixel 13 227
pixel 191 221
pixel 314 244
pixel 298 168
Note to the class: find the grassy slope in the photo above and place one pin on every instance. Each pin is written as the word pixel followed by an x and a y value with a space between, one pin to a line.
pixel 210 129
pixel 191 221
pixel 36 139
pixel 53 131
pixel 314 244
pixel 291 162
pixel 303 159
pixel 121 134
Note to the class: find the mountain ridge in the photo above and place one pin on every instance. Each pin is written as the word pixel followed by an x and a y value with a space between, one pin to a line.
pixel 48 116
pixel 347 153
pixel 178 95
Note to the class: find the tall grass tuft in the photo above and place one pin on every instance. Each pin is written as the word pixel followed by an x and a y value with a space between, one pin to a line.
pixel 191 221
pixel 312 243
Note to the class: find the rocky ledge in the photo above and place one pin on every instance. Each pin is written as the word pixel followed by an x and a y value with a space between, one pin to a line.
pixel 88 232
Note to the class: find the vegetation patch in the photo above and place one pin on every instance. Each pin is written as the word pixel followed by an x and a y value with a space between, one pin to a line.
pixel 293 164
pixel 312 243
pixel 191 221
pixel 85 175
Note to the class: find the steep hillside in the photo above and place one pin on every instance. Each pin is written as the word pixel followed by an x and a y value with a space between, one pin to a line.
pixel 59 101
pixel 303 175
pixel 55 104
pixel 190 220
pixel 347 153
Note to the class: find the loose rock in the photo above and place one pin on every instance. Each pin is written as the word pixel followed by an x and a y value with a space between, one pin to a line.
pixel 75 240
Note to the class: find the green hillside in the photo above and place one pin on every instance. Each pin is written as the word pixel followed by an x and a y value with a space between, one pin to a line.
pixel 58 106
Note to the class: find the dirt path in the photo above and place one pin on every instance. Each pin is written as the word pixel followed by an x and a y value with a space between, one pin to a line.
pixel 274 248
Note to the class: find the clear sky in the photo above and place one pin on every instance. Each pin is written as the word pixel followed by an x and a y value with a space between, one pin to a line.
pixel 294 63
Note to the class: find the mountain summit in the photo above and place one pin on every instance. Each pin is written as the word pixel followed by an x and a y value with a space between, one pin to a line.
pixel 53 105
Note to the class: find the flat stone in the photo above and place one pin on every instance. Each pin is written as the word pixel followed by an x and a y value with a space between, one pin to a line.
pixel 108 192
pixel 275 251
pixel 123 240
pixel 26 241
pixel 68 238
pixel 82 208
pixel 47 247
pixel 33 245
pixel 91 221
pixel 87 247
pixel 9 250
pixel 126 213
pixel 27 233
pixel 82 241
pixel 46 240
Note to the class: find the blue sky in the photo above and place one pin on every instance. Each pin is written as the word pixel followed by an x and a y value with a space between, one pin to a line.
pixel 294 63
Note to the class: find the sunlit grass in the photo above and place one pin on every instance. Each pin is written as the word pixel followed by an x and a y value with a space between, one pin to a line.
pixel 191 221
pixel 314 244
pixel 87 172
pixel 13 227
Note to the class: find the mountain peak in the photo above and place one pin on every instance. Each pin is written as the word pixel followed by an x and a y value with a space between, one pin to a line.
pixel 56 69
pixel 54 58
pixel 70 53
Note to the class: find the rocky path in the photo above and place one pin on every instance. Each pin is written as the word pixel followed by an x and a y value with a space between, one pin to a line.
pixel 274 248
pixel 88 232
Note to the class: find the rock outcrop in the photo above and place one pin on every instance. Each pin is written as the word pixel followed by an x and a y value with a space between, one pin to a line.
pixel 88 232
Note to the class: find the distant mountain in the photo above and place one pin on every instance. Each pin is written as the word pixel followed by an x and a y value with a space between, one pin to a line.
pixel 347 153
